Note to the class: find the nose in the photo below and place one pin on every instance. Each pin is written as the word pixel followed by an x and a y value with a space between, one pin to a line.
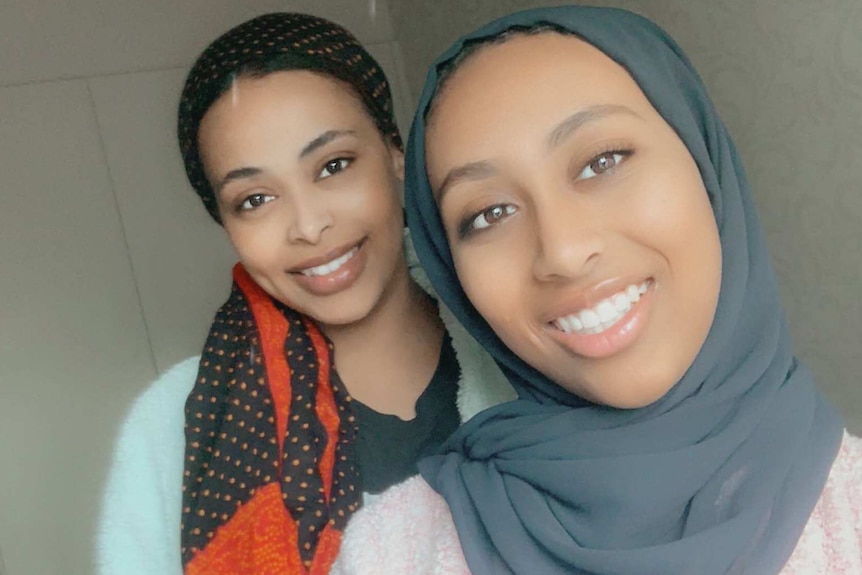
pixel 568 243
pixel 311 218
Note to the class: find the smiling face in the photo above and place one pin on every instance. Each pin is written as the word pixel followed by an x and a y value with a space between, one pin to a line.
pixel 308 193
pixel 577 219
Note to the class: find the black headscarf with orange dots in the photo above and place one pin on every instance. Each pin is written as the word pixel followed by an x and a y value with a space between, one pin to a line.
pixel 270 474
pixel 269 43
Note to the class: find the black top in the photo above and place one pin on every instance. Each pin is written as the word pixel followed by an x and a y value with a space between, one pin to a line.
pixel 387 447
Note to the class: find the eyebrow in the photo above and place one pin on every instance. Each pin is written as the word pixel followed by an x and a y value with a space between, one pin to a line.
pixel 315 144
pixel 323 139
pixel 579 119
pixel 468 172
pixel 237 174
pixel 482 169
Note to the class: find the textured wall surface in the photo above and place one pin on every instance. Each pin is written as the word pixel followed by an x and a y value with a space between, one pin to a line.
pixel 787 78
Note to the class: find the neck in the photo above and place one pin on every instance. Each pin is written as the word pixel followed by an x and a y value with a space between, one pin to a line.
pixel 404 306
pixel 387 359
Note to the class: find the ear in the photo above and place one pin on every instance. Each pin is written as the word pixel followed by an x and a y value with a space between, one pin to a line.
pixel 397 157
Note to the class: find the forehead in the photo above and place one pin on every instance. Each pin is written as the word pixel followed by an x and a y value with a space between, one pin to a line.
pixel 260 119
pixel 528 82
pixel 284 96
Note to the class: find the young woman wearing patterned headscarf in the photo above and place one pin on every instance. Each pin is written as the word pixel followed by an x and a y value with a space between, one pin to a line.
pixel 328 372
pixel 578 203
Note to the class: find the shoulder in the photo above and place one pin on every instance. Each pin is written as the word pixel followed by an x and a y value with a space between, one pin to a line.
pixel 138 525
pixel 850 458
pixel 482 384
pixel 845 480
pixel 154 424
pixel 832 540
pixel 163 396
pixel 407 529
pixel 156 418
pixel 845 477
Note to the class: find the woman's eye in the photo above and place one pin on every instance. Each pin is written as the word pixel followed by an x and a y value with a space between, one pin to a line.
pixel 487 218
pixel 332 167
pixel 255 201
pixel 601 164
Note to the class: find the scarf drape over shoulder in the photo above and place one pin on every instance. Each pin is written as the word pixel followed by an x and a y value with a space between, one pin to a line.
pixel 270 477
pixel 718 476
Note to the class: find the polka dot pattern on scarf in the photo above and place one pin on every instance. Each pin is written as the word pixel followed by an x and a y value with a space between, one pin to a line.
pixel 269 442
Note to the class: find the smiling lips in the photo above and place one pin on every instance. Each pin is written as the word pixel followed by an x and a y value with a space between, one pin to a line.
pixel 332 266
pixel 607 327
pixel 333 272
pixel 603 315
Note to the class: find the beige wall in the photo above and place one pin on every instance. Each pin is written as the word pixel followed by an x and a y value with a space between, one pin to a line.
pixel 787 78
pixel 111 269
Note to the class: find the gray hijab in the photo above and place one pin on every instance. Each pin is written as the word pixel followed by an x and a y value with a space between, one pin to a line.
pixel 718 476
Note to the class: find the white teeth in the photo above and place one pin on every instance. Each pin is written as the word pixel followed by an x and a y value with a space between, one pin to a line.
pixel 589 318
pixel 331 266
pixel 576 323
pixel 604 314
pixel 606 311
pixel 621 302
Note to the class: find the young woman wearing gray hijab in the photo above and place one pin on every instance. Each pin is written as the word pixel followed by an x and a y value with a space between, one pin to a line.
pixel 578 203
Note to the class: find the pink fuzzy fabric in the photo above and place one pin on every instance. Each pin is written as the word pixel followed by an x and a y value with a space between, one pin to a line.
pixel 409 530
pixel 831 543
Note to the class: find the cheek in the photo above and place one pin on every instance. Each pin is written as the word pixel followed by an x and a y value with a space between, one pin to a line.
pixel 384 216
pixel 476 274
pixel 391 201
pixel 703 255
pixel 257 245
pixel 491 285
pixel 691 236
pixel 680 226
pixel 372 196
pixel 671 214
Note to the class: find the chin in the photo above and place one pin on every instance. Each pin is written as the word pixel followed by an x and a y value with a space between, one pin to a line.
pixel 636 401
pixel 349 312
pixel 620 392
pixel 338 317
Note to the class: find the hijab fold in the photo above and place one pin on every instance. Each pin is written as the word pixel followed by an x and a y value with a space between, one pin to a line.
pixel 718 476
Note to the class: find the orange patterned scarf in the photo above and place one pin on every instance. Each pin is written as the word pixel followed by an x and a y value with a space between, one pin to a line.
pixel 270 477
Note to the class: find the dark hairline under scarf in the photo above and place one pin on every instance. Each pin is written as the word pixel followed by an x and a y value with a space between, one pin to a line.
pixel 737 452
pixel 270 43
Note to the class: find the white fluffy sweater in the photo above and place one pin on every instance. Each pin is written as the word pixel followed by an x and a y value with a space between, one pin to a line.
pixel 139 520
